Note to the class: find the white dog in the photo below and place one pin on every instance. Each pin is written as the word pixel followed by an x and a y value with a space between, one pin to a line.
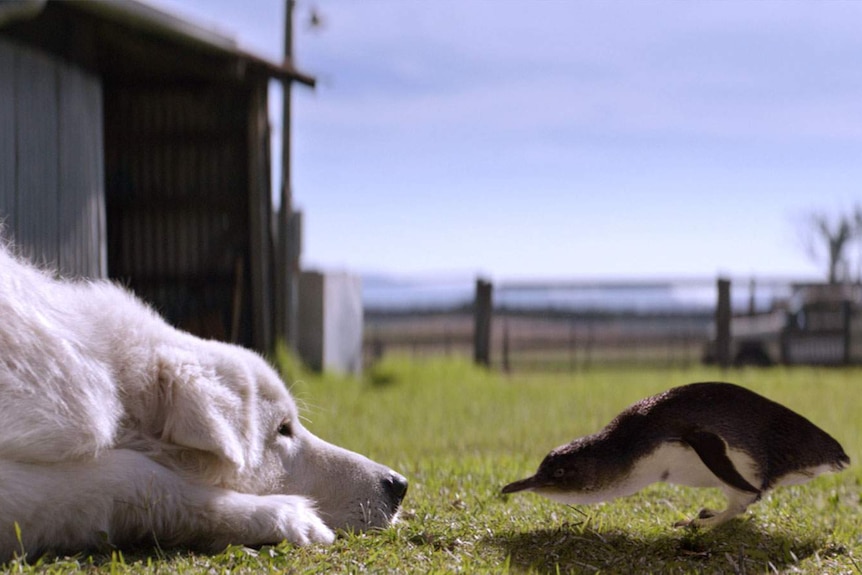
pixel 117 428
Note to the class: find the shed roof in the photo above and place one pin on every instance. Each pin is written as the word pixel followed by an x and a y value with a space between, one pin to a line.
pixel 130 40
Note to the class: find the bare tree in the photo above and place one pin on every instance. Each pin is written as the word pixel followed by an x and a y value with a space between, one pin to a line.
pixel 837 235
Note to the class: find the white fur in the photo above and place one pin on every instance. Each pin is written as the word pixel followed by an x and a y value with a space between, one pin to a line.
pixel 116 427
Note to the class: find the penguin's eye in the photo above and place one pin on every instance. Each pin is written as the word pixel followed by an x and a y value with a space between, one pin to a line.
pixel 559 472
pixel 285 429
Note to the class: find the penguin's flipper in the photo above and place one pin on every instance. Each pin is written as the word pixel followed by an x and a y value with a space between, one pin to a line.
pixel 712 450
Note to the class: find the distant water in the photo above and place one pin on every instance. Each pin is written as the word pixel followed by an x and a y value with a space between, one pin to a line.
pixel 400 295
pixel 635 297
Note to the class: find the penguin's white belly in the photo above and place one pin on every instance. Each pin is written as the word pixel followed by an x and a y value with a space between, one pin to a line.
pixel 679 464
pixel 672 463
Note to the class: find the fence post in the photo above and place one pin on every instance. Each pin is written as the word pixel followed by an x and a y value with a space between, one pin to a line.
pixel 507 367
pixel 847 315
pixel 752 297
pixel 482 311
pixel 722 324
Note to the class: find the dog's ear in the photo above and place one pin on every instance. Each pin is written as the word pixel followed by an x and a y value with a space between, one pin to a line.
pixel 198 411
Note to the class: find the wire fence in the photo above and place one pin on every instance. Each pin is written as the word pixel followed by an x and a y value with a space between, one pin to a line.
pixel 560 326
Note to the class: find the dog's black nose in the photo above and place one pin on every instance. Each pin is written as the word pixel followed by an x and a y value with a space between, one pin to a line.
pixel 395 487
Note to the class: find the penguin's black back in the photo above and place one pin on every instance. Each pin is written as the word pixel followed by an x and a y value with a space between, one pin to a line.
pixel 780 440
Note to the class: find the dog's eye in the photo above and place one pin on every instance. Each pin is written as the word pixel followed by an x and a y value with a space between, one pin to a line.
pixel 285 429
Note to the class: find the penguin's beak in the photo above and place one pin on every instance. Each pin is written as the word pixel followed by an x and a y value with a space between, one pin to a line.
pixel 527 484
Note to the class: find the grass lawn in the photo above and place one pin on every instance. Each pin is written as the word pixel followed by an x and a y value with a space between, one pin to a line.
pixel 459 433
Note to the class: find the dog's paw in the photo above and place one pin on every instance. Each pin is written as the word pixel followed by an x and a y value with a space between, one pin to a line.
pixel 292 518
pixel 246 519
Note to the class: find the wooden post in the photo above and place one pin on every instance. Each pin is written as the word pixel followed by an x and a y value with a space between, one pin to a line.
pixel 752 300
pixel 507 366
pixel 847 316
pixel 722 324
pixel 260 202
pixel 482 311
pixel 377 348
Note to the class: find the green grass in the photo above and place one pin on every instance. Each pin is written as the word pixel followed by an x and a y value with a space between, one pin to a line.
pixel 459 433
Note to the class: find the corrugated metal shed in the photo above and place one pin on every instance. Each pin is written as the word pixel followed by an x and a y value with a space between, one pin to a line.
pixel 140 149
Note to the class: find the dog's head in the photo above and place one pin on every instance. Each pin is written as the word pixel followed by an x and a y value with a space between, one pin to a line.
pixel 232 421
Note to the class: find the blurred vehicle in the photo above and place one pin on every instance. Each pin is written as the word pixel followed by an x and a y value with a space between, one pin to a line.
pixel 820 324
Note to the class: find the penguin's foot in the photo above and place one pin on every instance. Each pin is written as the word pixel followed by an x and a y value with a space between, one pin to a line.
pixel 737 504
pixel 700 520
pixel 709 518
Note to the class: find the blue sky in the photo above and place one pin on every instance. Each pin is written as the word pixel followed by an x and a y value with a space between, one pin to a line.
pixel 566 139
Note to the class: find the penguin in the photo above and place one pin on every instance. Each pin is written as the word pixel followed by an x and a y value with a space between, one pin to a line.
pixel 709 434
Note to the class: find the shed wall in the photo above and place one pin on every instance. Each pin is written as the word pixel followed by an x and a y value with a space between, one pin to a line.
pixel 51 161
